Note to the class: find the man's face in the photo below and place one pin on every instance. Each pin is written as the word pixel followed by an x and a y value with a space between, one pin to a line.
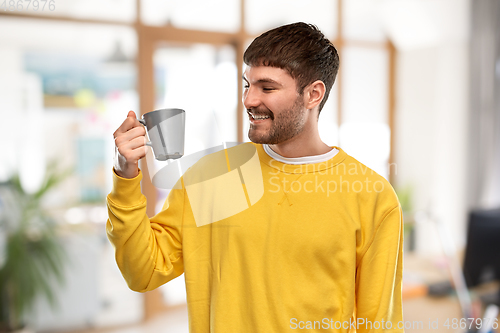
pixel 271 93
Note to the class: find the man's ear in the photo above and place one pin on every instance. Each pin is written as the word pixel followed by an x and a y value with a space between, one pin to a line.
pixel 314 94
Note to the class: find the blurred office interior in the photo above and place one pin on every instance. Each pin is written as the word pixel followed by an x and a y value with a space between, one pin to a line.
pixel 417 99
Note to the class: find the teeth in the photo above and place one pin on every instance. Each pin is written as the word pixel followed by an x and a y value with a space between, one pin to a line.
pixel 259 117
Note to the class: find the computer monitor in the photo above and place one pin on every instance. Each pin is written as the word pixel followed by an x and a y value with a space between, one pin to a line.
pixel 482 254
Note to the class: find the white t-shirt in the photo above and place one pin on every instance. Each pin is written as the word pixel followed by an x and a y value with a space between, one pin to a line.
pixel 300 160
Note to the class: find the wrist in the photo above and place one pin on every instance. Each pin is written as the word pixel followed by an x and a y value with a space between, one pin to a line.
pixel 128 174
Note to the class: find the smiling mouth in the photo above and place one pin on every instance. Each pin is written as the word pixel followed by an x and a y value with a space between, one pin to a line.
pixel 258 116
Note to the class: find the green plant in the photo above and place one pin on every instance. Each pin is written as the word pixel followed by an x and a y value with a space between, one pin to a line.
pixel 405 196
pixel 33 254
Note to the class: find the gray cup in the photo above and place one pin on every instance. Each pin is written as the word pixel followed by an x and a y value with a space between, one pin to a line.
pixel 165 129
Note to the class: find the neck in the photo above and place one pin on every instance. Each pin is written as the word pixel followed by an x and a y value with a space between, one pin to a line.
pixel 306 143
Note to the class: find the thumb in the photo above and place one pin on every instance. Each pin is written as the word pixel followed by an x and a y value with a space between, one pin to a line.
pixel 131 114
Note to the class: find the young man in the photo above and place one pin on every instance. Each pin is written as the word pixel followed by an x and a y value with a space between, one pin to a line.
pixel 319 245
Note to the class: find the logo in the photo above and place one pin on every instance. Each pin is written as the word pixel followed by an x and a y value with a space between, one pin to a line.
pixel 220 181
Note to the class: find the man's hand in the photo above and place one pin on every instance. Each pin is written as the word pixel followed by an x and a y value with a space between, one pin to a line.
pixel 130 147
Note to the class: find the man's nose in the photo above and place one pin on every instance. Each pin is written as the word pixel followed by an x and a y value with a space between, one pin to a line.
pixel 251 98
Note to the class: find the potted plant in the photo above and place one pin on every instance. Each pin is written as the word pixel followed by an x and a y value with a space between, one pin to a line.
pixel 32 254
pixel 405 196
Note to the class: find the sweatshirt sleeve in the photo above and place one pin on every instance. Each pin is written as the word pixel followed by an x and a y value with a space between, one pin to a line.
pixel 148 251
pixel 379 278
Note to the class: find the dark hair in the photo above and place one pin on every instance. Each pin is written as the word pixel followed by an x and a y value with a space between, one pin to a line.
pixel 299 48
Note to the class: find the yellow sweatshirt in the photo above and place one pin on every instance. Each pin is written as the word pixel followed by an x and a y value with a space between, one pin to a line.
pixel 267 246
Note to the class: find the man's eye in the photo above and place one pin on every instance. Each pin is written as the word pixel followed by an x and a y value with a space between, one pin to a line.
pixel 246 86
pixel 267 89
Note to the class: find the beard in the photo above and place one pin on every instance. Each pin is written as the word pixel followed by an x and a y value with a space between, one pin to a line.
pixel 284 126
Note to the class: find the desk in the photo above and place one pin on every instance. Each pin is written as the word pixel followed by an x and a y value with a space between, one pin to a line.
pixel 419 309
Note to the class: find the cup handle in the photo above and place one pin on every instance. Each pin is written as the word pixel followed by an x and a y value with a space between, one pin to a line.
pixel 143 122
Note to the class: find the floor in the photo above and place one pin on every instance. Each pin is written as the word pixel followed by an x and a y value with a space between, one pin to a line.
pixel 173 321
pixel 421 313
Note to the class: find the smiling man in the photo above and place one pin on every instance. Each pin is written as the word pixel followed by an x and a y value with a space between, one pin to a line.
pixel 275 110
pixel 320 247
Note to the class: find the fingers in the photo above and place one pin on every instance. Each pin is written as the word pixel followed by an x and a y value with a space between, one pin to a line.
pixel 132 155
pixel 130 135
pixel 130 146
pixel 129 123
pixel 130 140
pixel 139 142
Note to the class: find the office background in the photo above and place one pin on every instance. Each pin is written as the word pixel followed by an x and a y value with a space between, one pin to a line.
pixel 416 99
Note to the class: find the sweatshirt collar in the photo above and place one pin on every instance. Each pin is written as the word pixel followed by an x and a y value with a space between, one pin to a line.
pixel 300 168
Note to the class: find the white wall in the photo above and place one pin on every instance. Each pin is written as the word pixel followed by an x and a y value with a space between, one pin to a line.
pixel 432 111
